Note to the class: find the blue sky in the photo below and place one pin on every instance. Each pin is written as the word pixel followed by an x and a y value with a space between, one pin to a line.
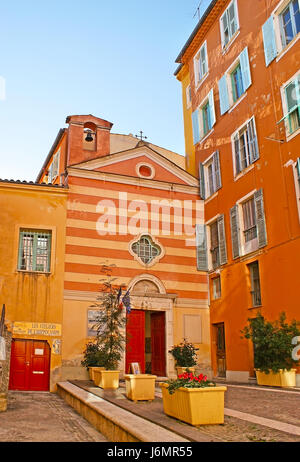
pixel 114 60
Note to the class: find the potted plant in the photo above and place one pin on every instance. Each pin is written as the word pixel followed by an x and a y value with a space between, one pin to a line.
pixel 194 399
pixel 94 358
pixel 272 341
pixel 185 356
pixel 110 325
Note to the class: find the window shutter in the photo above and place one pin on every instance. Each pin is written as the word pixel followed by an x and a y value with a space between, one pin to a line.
pixel 201 181
pixel 201 248
pixel 260 218
pixel 269 40
pixel 196 131
pixel 212 108
pixel 235 231
pixel 237 154
pixel 245 68
pixel 298 167
pixel 217 170
pixel 223 92
pixel 253 141
pixel 222 241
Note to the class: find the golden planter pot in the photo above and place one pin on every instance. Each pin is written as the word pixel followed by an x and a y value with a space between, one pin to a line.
pixel 108 380
pixel 140 387
pixel 283 378
pixel 94 368
pixel 196 406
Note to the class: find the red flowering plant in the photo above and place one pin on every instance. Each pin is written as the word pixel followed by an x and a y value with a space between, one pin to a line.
pixel 188 380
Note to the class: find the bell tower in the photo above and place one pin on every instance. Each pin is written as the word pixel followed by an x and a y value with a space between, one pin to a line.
pixel 88 138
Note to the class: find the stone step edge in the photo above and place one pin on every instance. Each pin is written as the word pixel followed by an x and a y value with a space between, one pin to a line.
pixel 116 424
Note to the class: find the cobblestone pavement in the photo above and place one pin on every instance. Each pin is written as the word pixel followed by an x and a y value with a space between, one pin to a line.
pixel 275 405
pixel 43 417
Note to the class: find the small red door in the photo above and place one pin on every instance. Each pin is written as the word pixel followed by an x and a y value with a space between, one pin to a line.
pixel 135 334
pixel 158 344
pixel 29 365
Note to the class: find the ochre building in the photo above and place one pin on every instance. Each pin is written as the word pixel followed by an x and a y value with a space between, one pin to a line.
pixel 32 249
pixel 240 75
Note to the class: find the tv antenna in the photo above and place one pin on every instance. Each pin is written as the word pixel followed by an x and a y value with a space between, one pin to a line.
pixel 198 10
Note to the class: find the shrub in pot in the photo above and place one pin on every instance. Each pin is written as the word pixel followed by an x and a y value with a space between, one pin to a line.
pixel 185 356
pixel 272 341
pixel 94 358
pixel 194 399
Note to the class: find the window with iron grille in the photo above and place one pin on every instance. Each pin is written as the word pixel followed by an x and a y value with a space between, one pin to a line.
pixel 245 146
pixel 34 250
pixel 216 287
pixel 249 216
pixel 214 245
pixel 145 249
pixel 255 283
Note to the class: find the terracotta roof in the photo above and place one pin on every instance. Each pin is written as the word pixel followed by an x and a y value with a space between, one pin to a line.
pixel 31 183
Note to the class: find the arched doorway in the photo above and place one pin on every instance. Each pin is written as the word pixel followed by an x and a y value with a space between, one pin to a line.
pixel 146 327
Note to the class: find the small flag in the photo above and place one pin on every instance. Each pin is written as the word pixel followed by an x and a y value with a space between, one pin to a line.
pixel 126 302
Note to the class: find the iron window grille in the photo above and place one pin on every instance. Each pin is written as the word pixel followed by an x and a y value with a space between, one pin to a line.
pixel 145 249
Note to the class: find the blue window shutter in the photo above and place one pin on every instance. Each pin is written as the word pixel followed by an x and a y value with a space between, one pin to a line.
pixel 260 218
pixel 222 241
pixel 224 97
pixel 196 129
pixel 235 231
pixel 201 248
pixel 217 170
pixel 298 167
pixel 269 40
pixel 201 181
pixel 212 108
pixel 245 68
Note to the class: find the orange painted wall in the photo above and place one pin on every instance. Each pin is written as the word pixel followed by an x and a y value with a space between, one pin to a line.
pixel 278 261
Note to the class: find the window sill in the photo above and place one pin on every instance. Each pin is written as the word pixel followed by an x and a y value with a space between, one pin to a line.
pixel 258 307
pixel 199 84
pixel 287 48
pixel 33 272
pixel 231 41
pixel 244 172
pixel 210 198
pixel 237 102
pixel 292 135
pixel 206 136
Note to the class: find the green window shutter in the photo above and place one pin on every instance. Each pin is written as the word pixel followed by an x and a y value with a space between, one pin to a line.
pixel 270 47
pixel 260 218
pixel 21 247
pixel 217 170
pixel 222 240
pixel 201 181
pixel 245 69
pixel 298 167
pixel 223 93
pixel 196 128
pixel 212 108
pixel 235 231
pixel 201 248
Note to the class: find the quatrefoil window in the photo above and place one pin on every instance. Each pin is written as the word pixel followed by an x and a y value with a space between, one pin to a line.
pixel 146 249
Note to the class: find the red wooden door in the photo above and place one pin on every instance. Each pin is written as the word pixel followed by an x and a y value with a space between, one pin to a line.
pixel 158 344
pixel 29 365
pixel 135 334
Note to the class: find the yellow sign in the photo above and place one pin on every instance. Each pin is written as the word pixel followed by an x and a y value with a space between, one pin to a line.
pixel 37 328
